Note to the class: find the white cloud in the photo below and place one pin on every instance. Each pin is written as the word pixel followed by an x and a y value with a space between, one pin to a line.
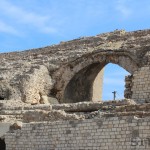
pixel 121 6
pixel 25 17
pixel 4 27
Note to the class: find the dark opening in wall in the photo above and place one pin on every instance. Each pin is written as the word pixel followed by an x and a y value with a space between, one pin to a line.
pixel 2 98
pixel 4 94
pixel 2 144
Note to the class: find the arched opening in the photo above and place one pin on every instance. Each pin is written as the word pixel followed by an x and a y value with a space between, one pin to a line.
pixel 89 84
pixel 114 81
pixel 80 88
pixel 2 144
pixel 82 83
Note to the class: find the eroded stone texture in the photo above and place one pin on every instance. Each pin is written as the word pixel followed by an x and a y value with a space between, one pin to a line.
pixel 35 83
pixel 67 71
pixel 128 86
pixel 54 115
pixel 84 125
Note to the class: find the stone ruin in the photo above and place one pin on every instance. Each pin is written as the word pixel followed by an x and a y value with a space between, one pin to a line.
pixel 50 98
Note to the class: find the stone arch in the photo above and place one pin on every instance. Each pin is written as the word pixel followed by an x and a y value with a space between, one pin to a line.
pixel 80 86
pixel 76 81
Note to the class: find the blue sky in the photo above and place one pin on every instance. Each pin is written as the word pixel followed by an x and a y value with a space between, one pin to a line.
pixel 114 77
pixel 36 23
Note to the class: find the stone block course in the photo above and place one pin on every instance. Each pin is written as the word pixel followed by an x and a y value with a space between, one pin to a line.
pixel 125 136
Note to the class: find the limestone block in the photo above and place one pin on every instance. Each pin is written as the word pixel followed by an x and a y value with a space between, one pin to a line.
pixel 4 127
pixel 48 100
pixel 15 126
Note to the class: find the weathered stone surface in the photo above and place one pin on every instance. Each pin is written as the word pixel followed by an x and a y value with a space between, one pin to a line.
pixel 54 115
pixel 90 106
pixel 17 125
pixel 31 81
pixel 67 71
pixel 48 100
pixel 113 133
pixel 86 109
pixel 128 86
pixel 4 127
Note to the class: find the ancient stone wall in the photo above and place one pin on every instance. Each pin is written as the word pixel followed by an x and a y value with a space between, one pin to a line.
pixel 68 73
pixel 128 86
pixel 141 84
pixel 70 68
pixel 114 133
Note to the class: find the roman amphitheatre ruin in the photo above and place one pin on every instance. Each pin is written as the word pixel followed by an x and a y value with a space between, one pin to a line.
pixel 49 96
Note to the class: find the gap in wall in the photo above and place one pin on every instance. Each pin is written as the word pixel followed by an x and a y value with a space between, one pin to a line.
pixel 114 80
